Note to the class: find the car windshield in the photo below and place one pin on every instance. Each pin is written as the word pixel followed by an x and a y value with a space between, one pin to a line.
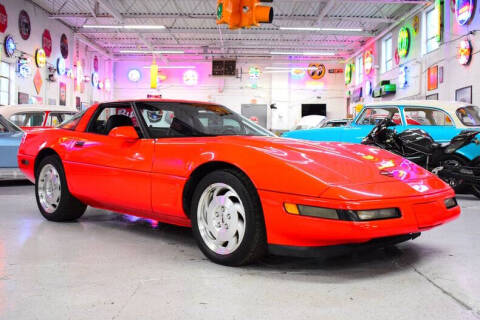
pixel 470 116
pixel 175 119
pixel 71 121
pixel 8 126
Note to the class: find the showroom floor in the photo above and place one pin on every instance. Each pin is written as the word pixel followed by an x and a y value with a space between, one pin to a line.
pixel 109 266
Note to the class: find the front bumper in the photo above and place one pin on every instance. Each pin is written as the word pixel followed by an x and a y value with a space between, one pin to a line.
pixel 419 213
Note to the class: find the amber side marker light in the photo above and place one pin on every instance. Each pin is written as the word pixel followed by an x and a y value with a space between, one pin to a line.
pixel 345 215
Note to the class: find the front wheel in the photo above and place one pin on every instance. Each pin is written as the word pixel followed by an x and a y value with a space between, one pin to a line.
pixel 54 200
pixel 227 219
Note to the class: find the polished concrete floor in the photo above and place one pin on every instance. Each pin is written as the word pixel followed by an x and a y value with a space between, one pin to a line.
pixel 108 266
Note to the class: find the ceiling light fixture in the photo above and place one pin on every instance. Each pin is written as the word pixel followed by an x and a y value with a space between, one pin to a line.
pixel 152 51
pixel 324 53
pixel 133 26
pixel 172 67
pixel 290 68
pixel 322 29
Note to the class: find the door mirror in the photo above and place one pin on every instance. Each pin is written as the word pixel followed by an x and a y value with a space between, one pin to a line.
pixel 127 132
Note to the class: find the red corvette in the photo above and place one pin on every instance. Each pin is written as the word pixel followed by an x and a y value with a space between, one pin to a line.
pixel 243 190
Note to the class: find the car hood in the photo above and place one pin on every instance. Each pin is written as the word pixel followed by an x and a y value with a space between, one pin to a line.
pixel 346 165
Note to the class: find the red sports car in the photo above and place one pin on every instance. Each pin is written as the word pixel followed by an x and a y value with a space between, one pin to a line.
pixel 244 191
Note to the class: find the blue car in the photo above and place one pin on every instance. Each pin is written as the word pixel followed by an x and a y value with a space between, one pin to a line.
pixel 10 138
pixel 442 120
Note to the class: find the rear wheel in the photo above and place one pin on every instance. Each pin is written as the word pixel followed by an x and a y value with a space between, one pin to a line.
pixel 475 188
pixel 227 219
pixel 54 200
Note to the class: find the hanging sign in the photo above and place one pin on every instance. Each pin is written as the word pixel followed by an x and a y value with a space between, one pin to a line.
pixel 403 42
pixel 368 62
pixel 95 64
pixel 3 19
pixel 316 71
pixel 47 42
pixel 24 25
pixel 464 11
pixel 64 46
pixel 349 73
pixel 40 58
pixel 464 52
pixel 9 45
pixel 154 76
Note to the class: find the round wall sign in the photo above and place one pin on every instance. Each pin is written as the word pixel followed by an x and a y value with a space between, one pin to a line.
pixel 24 25
pixel 402 77
pixel 40 58
pixel 190 77
pixel 61 69
pixel 3 18
pixel 9 46
pixel 403 42
pixel 465 52
pixel 95 64
pixel 47 42
pixel 64 46
pixel 316 71
pixel 464 11
pixel 95 79
pixel 368 62
pixel 134 75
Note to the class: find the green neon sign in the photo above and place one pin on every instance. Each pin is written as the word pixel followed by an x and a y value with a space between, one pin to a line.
pixel 220 11
pixel 403 42
pixel 349 73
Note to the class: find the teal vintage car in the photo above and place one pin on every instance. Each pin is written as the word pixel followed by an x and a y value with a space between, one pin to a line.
pixel 442 120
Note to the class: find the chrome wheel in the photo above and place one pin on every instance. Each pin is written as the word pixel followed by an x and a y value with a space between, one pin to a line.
pixel 49 188
pixel 221 218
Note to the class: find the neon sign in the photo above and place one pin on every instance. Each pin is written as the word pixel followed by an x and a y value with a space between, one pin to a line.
pixel 190 77
pixel 61 69
pixel 134 75
pixel 95 79
pixel 439 12
pixel 464 11
pixel 9 45
pixel 465 52
pixel 403 42
pixel 40 58
pixel 368 62
pixel 348 73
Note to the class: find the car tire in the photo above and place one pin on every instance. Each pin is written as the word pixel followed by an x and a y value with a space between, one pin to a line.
pixel 54 200
pixel 227 219
pixel 475 188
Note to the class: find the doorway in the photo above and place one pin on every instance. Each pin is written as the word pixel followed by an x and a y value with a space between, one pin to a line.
pixel 314 109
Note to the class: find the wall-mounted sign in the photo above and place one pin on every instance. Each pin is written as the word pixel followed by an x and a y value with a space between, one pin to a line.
pixel 47 42
pixel 61 69
pixel 349 73
pixel 384 89
pixel 439 11
pixel 64 46
pixel 62 99
pixel 464 52
pixel 403 42
pixel 335 70
pixel 316 71
pixel 416 24
pixel 94 79
pixel 95 64
pixel 24 26
pixel 368 88
pixel 9 46
pixel 298 74
pixel 37 81
pixel 153 75
pixel 190 77
pixel 40 58
pixel 3 19
pixel 396 56
pixel 79 76
pixel 432 78
pixel 24 67
pixel 464 10
pixel 368 62
pixel 357 94
pixel 134 75
pixel 254 75
pixel 402 77
pixel 100 85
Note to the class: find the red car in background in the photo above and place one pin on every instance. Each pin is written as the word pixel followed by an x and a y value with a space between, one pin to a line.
pixel 30 116
pixel 243 190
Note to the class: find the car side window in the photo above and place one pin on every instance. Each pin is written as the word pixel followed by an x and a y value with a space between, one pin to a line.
pixel 371 116
pixel 416 116
pixel 110 117
pixel 56 118
pixel 28 119
pixel 3 129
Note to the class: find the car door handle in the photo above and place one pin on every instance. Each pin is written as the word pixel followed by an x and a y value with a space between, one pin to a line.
pixel 79 143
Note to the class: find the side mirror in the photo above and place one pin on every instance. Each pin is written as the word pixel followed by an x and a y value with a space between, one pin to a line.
pixel 126 132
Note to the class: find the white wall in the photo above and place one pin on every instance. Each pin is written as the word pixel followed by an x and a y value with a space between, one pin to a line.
pixel 278 88
pixel 77 51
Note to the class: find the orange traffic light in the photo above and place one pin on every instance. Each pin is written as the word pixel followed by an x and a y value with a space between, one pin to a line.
pixel 243 13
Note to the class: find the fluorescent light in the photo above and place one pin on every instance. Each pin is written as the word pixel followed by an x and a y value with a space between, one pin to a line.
pixel 114 26
pixel 290 68
pixel 324 53
pixel 153 51
pixel 172 67
pixel 322 29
